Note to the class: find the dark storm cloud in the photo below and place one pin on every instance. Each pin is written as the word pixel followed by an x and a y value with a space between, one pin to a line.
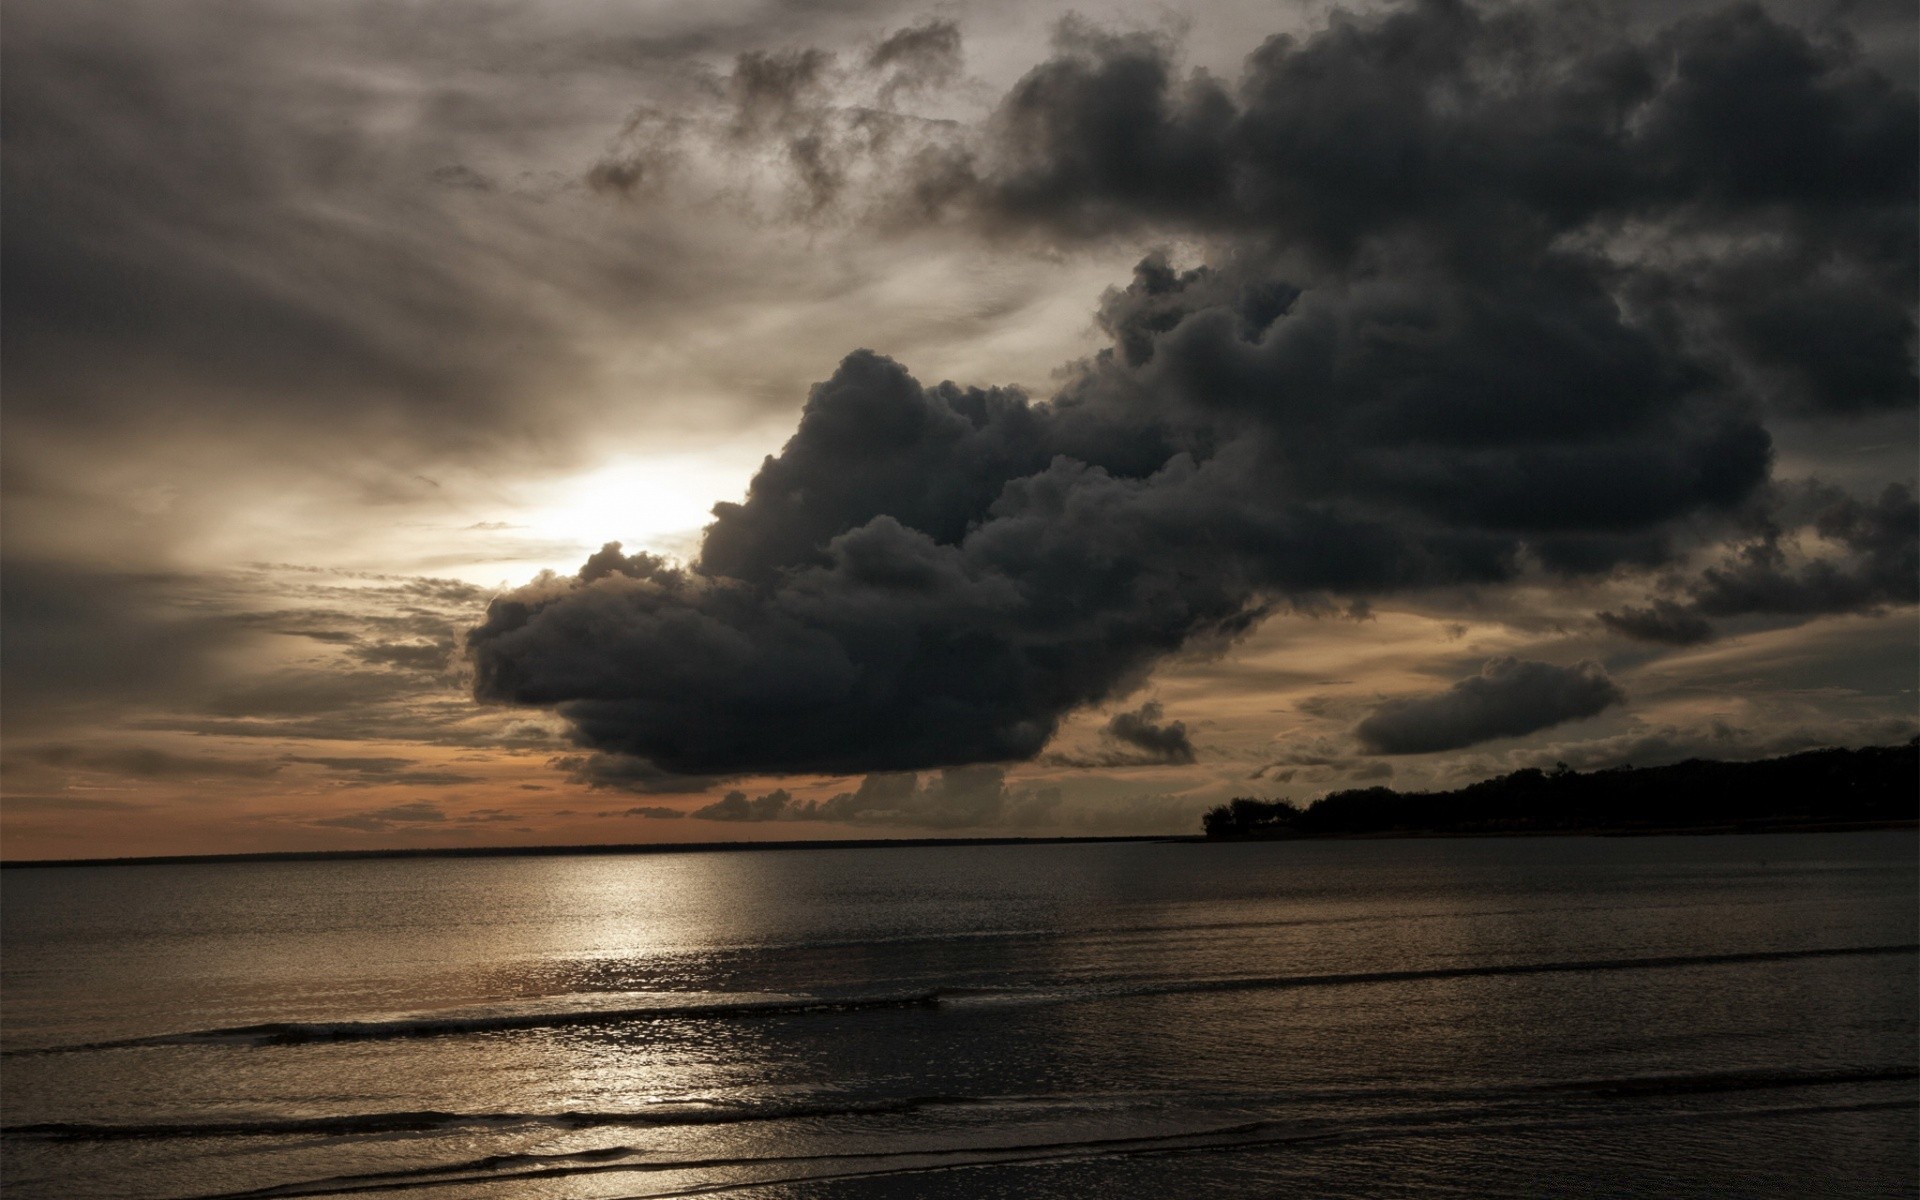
pixel 1448 334
pixel 1880 541
pixel 1508 698
pixel 1869 560
pixel 1749 185
pixel 1136 738
pixel 1661 621
pixel 627 774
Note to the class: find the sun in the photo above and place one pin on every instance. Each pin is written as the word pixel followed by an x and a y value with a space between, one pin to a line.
pixel 657 503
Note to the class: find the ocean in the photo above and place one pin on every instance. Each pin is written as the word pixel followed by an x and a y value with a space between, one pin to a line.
pixel 1578 1017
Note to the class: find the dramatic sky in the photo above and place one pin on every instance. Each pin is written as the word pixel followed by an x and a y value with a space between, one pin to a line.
pixel 641 420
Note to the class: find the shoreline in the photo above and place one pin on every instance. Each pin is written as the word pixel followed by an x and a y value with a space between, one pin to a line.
pixel 641 848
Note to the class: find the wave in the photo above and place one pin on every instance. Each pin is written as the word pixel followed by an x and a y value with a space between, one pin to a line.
pixel 695 1111
pixel 1494 970
pixel 661 1008
pixel 1249 1136
pixel 486 1170
pixel 280 1033
pixel 672 1113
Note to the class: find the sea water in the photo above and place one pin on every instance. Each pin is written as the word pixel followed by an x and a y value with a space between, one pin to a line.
pixel 1603 1017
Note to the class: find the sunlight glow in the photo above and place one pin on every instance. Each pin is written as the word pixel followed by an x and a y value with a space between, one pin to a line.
pixel 656 504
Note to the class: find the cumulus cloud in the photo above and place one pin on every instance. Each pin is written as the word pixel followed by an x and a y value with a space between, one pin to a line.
pixel 1136 738
pixel 1478 305
pixel 1508 698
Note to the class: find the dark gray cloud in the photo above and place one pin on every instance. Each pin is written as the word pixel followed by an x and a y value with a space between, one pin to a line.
pixel 1439 341
pixel 656 812
pixel 917 59
pixel 1508 698
pixel 1136 738
pixel 625 773
pixel 1867 559
pixel 1662 620
pixel 1478 134
pixel 957 798
pixel 1879 564
pixel 1141 730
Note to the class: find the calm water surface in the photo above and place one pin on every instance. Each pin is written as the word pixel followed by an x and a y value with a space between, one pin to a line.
pixel 1731 1016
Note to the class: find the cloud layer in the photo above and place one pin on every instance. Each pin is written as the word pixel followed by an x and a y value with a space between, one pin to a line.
pixel 1508 698
pixel 1488 295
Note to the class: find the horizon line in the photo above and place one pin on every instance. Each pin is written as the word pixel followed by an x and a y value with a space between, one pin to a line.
pixel 584 849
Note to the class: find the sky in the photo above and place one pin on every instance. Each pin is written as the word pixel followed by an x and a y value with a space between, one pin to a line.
pixel 608 422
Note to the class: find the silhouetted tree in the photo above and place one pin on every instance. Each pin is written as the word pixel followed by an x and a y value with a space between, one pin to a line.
pixel 1835 787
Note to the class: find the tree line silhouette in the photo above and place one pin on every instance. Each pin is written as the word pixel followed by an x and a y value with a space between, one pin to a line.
pixel 1874 785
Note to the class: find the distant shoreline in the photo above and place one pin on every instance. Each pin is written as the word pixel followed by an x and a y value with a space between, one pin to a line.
pixel 639 848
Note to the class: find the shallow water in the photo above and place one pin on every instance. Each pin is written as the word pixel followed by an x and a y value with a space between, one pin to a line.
pixel 1716 1016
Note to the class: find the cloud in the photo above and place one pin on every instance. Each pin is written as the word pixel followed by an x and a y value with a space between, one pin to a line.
pixel 1663 744
pixel 1864 557
pixel 1140 730
pixel 736 806
pixel 380 820
pixel 628 774
pixel 1431 347
pixel 148 762
pixel 416 815
pixel 1661 621
pixel 372 771
pixel 917 58
pixel 1508 698
pixel 963 797
pixel 1464 128
pixel 1135 738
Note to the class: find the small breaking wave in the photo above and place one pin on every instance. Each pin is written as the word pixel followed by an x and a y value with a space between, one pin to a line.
pixel 671 1113
pixel 1249 1136
pixel 496 1019
pixel 701 1111
pixel 663 1006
